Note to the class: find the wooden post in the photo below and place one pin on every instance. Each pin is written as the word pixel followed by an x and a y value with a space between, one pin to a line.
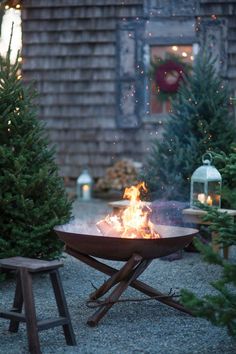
pixel 214 242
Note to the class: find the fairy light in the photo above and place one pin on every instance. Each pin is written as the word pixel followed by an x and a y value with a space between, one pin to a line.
pixel 184 54
pixel 174 48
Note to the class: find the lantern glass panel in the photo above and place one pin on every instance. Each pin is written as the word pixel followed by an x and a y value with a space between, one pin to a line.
pixel 214 193
pixel 198 192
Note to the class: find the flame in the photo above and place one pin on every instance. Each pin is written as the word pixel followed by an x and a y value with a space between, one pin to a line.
pixel 134 221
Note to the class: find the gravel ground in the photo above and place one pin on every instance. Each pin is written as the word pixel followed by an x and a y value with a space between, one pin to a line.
pixel 130 327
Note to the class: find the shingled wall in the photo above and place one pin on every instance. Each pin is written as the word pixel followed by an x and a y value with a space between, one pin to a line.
pixel 69 49
pixel 221 16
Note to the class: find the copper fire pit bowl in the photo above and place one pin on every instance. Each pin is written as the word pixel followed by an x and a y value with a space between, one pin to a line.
pixel 137 255
pixel 172 239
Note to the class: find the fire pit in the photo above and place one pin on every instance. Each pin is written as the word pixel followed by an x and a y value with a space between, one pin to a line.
pixel 172 239
pixel 131 239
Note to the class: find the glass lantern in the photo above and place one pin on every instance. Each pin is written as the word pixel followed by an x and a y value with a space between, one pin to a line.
pixel 84 186
pixel 206 184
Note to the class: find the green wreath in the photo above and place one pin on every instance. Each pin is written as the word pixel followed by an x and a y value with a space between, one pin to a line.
pixel 167 74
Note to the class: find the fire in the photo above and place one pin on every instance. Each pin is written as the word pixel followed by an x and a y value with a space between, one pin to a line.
pixel 133 221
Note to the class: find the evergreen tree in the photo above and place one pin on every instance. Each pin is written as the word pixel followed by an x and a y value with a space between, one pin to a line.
pixel 32 195
pixel 199 121
pixel 220 307
pixel 226 164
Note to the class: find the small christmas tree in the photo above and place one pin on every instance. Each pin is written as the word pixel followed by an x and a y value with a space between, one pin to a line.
pixel 199 121
pixel 226 164
pixel 32 196
pixel 220 307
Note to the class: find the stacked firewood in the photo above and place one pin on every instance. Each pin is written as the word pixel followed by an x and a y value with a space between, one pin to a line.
pixel 117 177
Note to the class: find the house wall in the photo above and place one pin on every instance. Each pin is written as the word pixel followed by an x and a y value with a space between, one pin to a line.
pixel 69 50
pixel 72 50
pixel 217 29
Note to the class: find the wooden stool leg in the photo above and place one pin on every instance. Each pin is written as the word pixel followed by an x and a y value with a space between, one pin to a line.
pixel 30 314
pixel 17 304
pixel 62 306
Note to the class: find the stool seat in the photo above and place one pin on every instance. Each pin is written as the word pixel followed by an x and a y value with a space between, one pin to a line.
pixel 32 265
pixel 25 269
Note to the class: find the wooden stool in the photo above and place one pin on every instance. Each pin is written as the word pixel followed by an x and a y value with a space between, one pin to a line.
pixel 25 268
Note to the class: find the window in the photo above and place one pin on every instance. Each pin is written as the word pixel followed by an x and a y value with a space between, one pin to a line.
pixel 185 52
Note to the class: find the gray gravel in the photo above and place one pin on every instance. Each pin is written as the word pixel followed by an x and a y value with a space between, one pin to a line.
pixel 128 328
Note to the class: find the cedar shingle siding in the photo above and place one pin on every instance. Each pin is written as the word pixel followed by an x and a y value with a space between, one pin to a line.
pixel 225 12
pixel 71 50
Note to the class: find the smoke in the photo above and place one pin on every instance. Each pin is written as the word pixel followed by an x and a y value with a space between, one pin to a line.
pixel 81 227
pixel 168 212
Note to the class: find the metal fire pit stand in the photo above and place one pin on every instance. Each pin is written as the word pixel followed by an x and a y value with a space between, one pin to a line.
pixel 126 276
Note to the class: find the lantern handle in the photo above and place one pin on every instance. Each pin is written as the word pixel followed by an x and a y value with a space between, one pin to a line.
pixel 205 160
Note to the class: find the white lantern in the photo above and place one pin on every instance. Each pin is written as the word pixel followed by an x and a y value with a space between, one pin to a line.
pixel 84 186
pixel 206 184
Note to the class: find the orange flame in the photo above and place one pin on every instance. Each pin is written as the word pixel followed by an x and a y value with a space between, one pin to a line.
pixel 134 221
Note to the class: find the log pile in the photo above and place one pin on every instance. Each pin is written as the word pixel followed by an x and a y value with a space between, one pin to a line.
pixel 117 177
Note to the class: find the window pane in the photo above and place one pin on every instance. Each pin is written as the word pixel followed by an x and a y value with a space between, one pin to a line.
pixel 186 54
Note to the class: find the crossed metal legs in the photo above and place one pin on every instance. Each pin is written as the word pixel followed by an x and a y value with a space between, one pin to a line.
pixel 126 276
